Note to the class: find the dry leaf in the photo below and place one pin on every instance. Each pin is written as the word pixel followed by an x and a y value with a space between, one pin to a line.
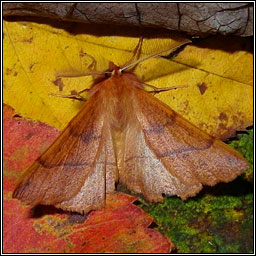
pixel 192 18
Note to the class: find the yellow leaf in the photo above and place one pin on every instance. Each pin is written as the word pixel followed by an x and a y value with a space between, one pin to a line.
pixel 217 99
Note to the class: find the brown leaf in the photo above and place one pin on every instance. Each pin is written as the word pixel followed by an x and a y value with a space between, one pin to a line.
pixel 192 18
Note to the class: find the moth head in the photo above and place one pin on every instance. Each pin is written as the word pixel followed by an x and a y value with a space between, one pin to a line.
pixel 113 70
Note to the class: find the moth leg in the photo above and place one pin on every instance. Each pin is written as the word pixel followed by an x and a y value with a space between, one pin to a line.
pixel 92 66
pixel 158 90
pixel 74 95
pixel 79 74
pixel 136 52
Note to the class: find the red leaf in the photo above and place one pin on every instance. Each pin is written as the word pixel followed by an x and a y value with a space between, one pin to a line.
pixel 121 227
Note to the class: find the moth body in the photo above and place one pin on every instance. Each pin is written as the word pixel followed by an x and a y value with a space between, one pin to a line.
pixel 124 134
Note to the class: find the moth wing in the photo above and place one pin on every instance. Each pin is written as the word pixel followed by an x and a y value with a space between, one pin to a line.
pixel 170 155
pixel 72 172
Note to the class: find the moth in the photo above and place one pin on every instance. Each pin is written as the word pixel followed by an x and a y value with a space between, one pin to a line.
pixel 124 134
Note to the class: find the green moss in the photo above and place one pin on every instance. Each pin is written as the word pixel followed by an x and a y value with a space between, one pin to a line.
pixel 218 220
pixel 244 145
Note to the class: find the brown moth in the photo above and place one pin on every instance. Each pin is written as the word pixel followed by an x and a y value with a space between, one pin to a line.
pixel 124 134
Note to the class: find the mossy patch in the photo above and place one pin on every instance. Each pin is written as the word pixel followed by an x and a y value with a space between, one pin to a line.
pixel 218 220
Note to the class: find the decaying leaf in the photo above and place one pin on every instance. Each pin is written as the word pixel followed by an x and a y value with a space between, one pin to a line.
pixel 193 18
